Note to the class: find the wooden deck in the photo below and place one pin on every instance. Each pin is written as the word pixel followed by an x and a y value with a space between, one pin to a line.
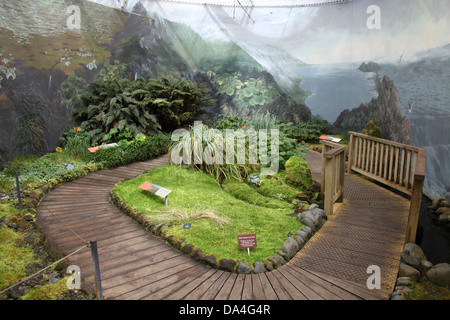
pixel 367 229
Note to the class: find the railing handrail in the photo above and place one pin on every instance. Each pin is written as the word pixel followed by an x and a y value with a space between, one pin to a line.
pixel 394 164
pixel 333 172
pixel 402 168
pixel 392 143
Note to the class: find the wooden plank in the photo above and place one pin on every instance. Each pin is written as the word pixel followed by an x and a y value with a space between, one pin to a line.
pixel 179 282
pixel 144 276
pixel 212 291
pixel 288 286
pixel 236 292
pixel 190 286
pixel 247 290
pixel 296 281
pixel 269 292
pixel 257 288
pixel 201 289
pixel 278 288
pixel 361 292
pixel 324 288
pixel 168 277
pixel 225 291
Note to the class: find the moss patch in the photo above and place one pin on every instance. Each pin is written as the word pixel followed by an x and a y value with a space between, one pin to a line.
pixel 13 258
pixel 298 173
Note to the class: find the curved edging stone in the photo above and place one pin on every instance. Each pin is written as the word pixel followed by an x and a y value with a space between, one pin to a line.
pixel 312 219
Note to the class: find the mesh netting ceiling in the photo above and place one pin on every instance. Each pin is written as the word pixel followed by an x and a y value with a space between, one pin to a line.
pixel 232 3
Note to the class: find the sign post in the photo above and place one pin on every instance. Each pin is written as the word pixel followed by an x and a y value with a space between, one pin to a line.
pixel 247 241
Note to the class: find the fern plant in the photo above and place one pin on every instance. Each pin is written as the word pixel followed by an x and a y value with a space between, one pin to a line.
pixel 141 106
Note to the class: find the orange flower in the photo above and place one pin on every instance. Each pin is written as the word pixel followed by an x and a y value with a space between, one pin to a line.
pixel 77 128
pixel 58 149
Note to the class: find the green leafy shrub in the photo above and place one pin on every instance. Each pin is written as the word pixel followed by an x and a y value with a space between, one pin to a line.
pixel 298 173
pixel 51 168
pixel 274 187
pixel 147 106
pixel 310 131
pixel 139 149
pixel 76 143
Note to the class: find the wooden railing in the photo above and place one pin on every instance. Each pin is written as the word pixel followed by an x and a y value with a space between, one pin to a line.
pixel 333 172
pixel 394 164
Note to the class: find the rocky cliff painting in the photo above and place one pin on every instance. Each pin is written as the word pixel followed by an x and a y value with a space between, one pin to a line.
pixel 346 62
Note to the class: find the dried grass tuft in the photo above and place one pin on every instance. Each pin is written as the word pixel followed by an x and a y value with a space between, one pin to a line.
pixel 178 215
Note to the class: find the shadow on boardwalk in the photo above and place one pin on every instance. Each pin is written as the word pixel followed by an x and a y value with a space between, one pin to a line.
pixel 368 229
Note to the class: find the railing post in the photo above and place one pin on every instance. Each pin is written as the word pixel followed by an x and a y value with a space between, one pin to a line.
pixel 416 198
pixel 341 176
pixel 330 185
pixel 350 153
pixel 97 278
pixel 322 176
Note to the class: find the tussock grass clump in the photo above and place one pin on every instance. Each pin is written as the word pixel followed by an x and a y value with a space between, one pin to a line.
pixel 180 215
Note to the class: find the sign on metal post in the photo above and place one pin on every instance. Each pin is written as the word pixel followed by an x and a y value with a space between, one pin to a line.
pixel 247 241
pixel 153 188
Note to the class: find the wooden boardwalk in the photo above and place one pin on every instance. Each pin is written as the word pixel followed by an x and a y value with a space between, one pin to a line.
pixel 367 229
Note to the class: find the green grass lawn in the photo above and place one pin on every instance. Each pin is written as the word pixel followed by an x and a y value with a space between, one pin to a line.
pixel 194 192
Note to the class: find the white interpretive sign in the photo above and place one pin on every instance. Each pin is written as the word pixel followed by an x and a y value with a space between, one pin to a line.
pixel 158 190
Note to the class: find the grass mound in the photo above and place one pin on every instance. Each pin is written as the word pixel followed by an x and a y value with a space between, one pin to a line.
pixel 195 194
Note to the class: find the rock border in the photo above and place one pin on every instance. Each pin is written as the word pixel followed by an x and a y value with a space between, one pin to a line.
pixel 313 219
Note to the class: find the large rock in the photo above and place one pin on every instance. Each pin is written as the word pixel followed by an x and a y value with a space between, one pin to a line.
pixel 443 211
pixel 436 203
pixel 410 261
pixel 227 265
pixel 408 271
pixel 302 234
pixel 243 268
pixel 290 247
pixel 440 274
pixel 308 222
pixel 415 251
pixel 300 241
pixel 258 267
pixel 277 261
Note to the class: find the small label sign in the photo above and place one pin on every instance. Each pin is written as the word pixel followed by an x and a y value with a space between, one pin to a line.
pixel 187 226
pixel 247 241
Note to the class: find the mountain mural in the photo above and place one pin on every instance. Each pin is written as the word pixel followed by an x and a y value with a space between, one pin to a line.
pixel 298 62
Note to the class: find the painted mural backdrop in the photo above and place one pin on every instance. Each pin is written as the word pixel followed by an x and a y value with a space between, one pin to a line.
pixel 346 62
